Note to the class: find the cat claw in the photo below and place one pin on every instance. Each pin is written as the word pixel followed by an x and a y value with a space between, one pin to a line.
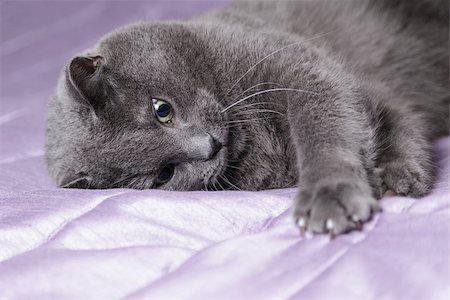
pixel 359 226
pixel 301 223
pixel 329 225
pixel 358 223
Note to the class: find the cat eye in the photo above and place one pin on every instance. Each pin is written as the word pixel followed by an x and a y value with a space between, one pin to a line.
pixel 163 110
pixel 165 175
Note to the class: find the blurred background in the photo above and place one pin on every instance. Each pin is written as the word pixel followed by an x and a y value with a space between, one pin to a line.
pixel 37 39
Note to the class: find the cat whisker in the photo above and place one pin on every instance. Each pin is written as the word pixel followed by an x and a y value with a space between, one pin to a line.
pixel 233 167
pixel 273 53
pixel 217 185
pixel 256 85
pixel 141 182
pixel 214 185
pixel 121 180
pixel 250 111
pixel 244 121
pixel 232 126
pixel 240 107
pixel 235 125
pixel 233 160
pixel 254 119
pixel 228 182
pixel 264 92
pixel 228 173
pixel 218 182
pixel 132 183
pixel 205 186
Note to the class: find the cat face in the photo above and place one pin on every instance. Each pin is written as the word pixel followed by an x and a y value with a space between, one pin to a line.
pixel 140 110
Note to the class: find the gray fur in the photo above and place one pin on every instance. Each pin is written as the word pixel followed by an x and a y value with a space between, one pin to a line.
pixel 367 93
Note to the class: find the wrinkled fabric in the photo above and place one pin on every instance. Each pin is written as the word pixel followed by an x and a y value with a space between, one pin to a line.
pixel 114 244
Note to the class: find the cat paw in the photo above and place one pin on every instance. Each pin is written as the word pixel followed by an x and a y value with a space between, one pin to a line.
pixel 406 178
pixel 334 207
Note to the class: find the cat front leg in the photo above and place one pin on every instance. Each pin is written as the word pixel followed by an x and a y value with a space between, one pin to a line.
pixel 405 158
pixel 333 138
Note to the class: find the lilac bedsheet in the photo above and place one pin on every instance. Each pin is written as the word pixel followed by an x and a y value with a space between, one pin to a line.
pixel 109 244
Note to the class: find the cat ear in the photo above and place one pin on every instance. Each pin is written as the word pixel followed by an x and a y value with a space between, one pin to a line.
pixel 79 181
pixel 85 74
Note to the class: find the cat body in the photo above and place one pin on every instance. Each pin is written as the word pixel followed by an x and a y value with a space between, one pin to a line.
pixel 340 98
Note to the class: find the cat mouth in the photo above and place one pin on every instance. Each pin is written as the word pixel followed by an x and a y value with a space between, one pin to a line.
pixel 216 170
pixel 221 176
pixel 215 178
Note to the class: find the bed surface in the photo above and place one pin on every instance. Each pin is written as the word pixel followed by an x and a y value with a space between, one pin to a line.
pixel 111 244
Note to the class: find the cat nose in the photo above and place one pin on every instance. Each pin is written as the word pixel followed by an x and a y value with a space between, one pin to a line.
pixel 200 146
pixel 216 146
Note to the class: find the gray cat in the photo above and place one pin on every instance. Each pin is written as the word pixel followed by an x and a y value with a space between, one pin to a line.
pixel 342 98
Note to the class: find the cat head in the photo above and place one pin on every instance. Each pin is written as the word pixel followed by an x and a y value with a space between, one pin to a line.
pixel 139 110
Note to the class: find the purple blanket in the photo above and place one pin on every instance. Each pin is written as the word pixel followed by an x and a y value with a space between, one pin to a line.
pixel 109 244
